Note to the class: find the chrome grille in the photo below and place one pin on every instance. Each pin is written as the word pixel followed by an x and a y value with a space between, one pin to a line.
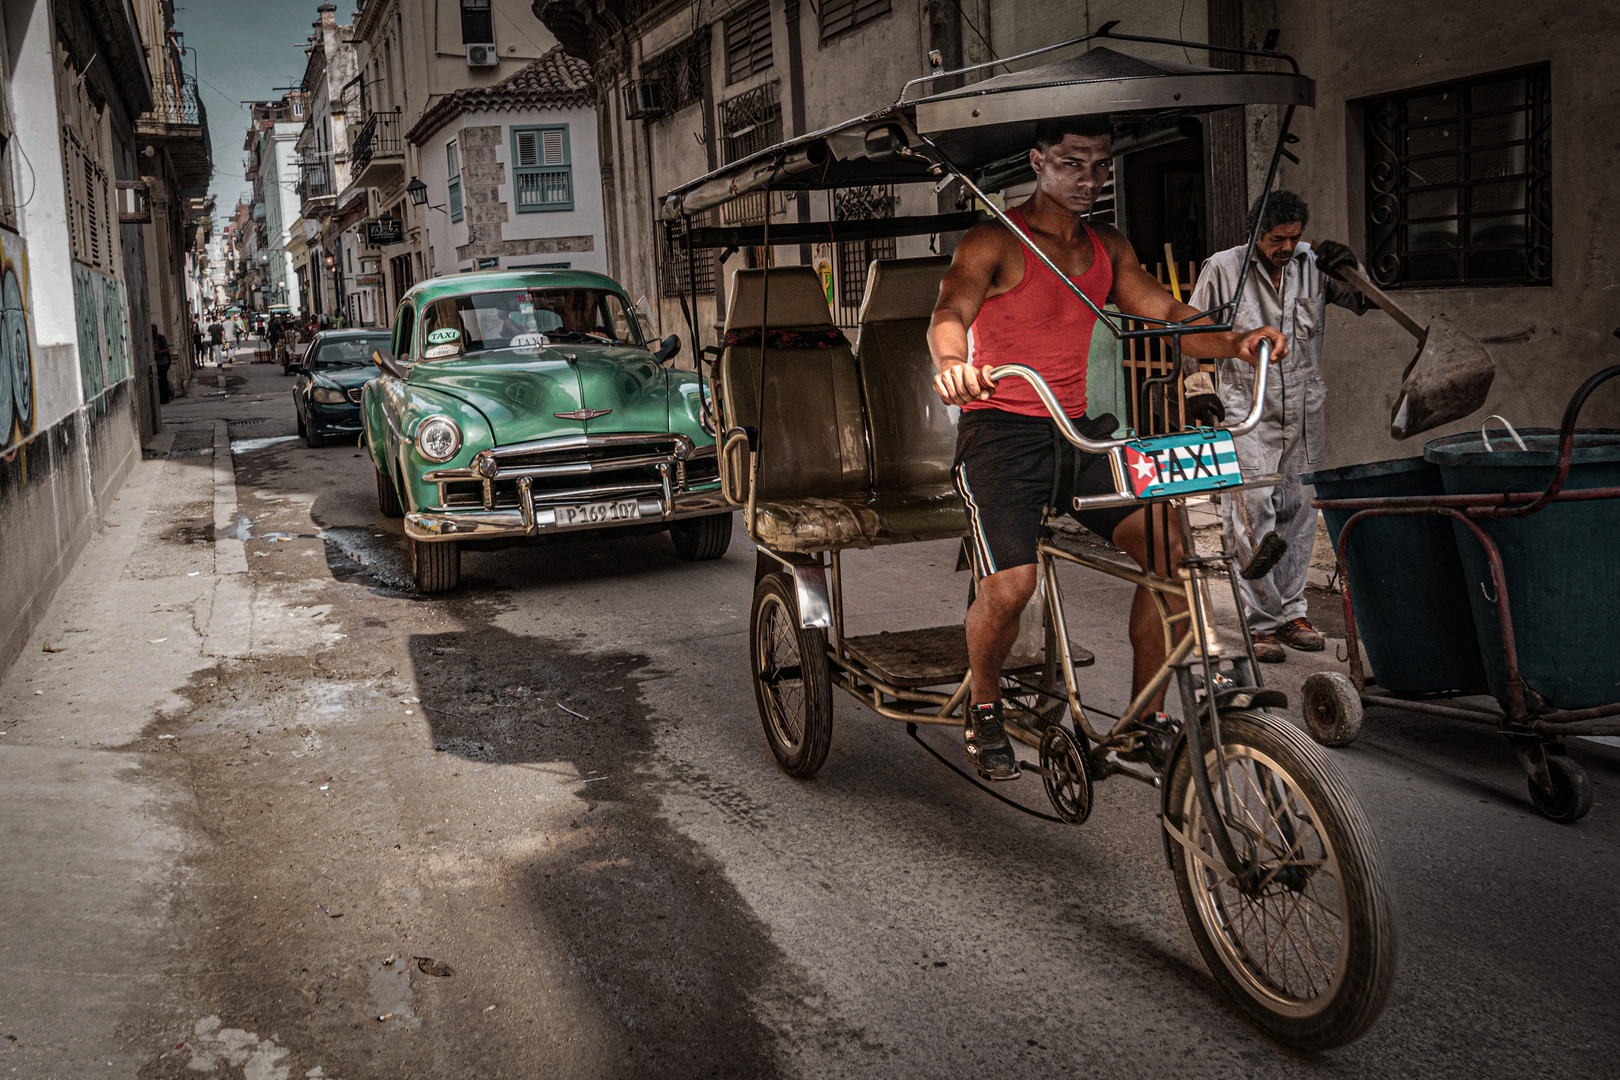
pixel 579 468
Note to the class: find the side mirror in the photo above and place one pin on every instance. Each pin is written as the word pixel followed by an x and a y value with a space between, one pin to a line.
pixel 668 350
pixel 385 360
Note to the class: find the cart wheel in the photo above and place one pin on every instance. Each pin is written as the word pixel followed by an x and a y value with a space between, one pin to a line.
pixel 1302 937
pixel 1332 708
pixel 792 678
pixel 436 566
pixel 1068 785
pixel 388 504
pixel 1571 796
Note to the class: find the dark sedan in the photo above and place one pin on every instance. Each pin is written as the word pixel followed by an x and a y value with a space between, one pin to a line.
pixel 327 393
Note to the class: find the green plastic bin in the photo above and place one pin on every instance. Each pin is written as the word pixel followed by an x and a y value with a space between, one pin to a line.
pixel 1406 582
pixel 1561 563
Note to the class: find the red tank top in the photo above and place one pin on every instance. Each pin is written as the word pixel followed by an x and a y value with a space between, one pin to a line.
pixel 1041 324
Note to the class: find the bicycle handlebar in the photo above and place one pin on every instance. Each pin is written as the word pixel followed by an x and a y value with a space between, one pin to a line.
pixel 1101 446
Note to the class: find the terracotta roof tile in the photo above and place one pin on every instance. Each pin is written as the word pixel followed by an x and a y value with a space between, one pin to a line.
pixel 554 81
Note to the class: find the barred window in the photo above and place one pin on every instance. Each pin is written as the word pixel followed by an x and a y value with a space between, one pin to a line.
pixel 1459 187
pixel 840 15
pixel 855 256
pixel 681 71
pixel 748 42
pixel 542 177
pixel 749 122
pixel 477 25
pixel 678 277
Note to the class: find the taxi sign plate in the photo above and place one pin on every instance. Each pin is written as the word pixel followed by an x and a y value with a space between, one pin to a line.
pixel 1181 464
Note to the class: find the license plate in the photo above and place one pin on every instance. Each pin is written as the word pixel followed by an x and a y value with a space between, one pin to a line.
pixel 1186 462
pixel 599 513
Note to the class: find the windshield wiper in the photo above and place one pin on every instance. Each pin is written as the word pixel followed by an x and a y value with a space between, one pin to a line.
pixel 580 336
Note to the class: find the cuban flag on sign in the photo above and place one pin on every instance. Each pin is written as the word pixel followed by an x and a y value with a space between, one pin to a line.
pixel 1144 470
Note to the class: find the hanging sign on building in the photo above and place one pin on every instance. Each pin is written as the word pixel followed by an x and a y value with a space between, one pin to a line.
pixel 384 232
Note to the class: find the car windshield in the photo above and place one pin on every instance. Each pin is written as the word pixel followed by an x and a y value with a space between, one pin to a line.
pixel 529 318
pixel 348 351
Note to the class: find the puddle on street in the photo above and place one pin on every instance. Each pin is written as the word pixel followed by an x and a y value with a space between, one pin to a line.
pixel 244 446
pixel 353 552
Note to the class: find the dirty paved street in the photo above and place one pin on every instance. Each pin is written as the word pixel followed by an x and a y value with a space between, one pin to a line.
pixel 270 814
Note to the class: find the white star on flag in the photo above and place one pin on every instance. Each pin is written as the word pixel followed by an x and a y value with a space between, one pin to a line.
pixel 1145 468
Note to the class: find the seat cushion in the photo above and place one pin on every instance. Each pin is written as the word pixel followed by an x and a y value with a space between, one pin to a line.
pixel 896 517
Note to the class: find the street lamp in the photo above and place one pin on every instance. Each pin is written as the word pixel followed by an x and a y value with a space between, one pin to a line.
pixel 417 191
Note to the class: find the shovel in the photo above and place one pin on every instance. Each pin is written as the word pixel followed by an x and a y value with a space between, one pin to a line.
pixel 1447 379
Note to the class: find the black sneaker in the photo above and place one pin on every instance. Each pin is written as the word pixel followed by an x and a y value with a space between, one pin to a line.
pixel 987 744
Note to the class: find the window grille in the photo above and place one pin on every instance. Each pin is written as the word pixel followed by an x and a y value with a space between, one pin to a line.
pixel 681 70
pixel 748 42
pixel 477 26
pixel 677 278
pixel 542 177
pixel 749 122
pixel 840 15
pixel 452 156
pixel 1459 187
pixel 855 256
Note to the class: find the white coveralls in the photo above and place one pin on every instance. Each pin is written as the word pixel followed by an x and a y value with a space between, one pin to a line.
pixel 1289 437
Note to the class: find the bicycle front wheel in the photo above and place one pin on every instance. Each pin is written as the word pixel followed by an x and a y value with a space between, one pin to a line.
pixel 1303 937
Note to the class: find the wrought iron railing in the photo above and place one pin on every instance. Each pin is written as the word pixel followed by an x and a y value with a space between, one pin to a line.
pixel 174 93
pixel 379 137
pixel 315 178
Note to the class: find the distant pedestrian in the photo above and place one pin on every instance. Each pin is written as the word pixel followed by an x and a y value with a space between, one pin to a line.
pixel 162 358
pixel 196 340
pixel 216 342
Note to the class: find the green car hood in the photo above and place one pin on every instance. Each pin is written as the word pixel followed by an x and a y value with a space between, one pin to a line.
pixel 520 393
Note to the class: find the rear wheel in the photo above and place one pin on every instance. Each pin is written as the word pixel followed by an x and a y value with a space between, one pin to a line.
pixel 1303 940
pixel 436 566
pixel 1332 708
pixel 700 539
pixel 1571 795
pixel 388 504
pixel 792 678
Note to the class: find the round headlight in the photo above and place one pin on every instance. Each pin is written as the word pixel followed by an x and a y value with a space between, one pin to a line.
pixel 438 438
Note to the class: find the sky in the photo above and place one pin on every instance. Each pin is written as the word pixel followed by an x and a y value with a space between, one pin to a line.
pixel 245 51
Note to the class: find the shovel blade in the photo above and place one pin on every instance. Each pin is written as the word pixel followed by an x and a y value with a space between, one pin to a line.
pixel 1448 379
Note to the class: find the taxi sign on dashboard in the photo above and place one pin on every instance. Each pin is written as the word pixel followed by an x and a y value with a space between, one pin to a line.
pixel 1185 462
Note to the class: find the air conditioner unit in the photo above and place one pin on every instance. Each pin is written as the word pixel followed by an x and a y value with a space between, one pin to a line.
pixel 644 99
pixel 482 55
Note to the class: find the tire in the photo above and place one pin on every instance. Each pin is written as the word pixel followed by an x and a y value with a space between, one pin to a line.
pixel 298 416
pixel 313 439
pixel 436 566
pixel 701 539
pixel 388 504
pixel 1342 880
pixel 1571 796
pixel 1332 708
pixel 792 678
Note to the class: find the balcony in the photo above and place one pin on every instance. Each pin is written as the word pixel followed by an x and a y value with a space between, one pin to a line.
pixel 177 118
pixel 377 157
pixel 315 188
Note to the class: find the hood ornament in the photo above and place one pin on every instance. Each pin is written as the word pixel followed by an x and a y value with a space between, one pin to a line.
pixel 581 414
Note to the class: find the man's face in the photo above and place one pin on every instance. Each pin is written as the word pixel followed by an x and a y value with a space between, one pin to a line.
pixel 1072 173
pixel 1276 246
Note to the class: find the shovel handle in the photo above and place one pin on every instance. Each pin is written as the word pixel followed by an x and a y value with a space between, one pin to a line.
pixel 1353 276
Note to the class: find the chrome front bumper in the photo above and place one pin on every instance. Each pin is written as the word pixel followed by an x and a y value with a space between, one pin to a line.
pixel 532 520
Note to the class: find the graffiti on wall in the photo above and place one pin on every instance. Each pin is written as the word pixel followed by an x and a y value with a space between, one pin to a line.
pixel 103 316
pixel 17 411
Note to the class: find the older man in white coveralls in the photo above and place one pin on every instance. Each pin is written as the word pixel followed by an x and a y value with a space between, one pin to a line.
pixel 1286 290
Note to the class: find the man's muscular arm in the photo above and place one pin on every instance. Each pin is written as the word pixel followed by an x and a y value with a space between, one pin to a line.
pixel 961 294
pixel 1137 293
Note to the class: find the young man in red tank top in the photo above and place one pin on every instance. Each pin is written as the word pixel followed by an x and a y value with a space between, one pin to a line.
pixel 998 304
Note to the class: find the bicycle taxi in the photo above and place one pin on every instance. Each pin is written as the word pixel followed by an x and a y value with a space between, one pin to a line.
pixel 825 448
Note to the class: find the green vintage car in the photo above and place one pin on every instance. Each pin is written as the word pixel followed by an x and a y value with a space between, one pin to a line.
pixel 524 404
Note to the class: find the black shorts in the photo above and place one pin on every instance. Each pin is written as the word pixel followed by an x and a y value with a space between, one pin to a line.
pixel 1005 469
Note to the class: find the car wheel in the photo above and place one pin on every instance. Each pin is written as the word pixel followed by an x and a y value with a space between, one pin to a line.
pixel 700 539
pixel 312 438
pixel 436 566
pixel 388 503
pixel 300 418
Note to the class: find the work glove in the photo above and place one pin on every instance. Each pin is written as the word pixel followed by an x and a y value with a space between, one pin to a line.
pixel 1204 405
pixel 1332 256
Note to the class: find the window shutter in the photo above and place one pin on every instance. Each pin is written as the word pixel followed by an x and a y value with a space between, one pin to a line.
pixel 552 145
pixel 452 155
pixel 528 153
